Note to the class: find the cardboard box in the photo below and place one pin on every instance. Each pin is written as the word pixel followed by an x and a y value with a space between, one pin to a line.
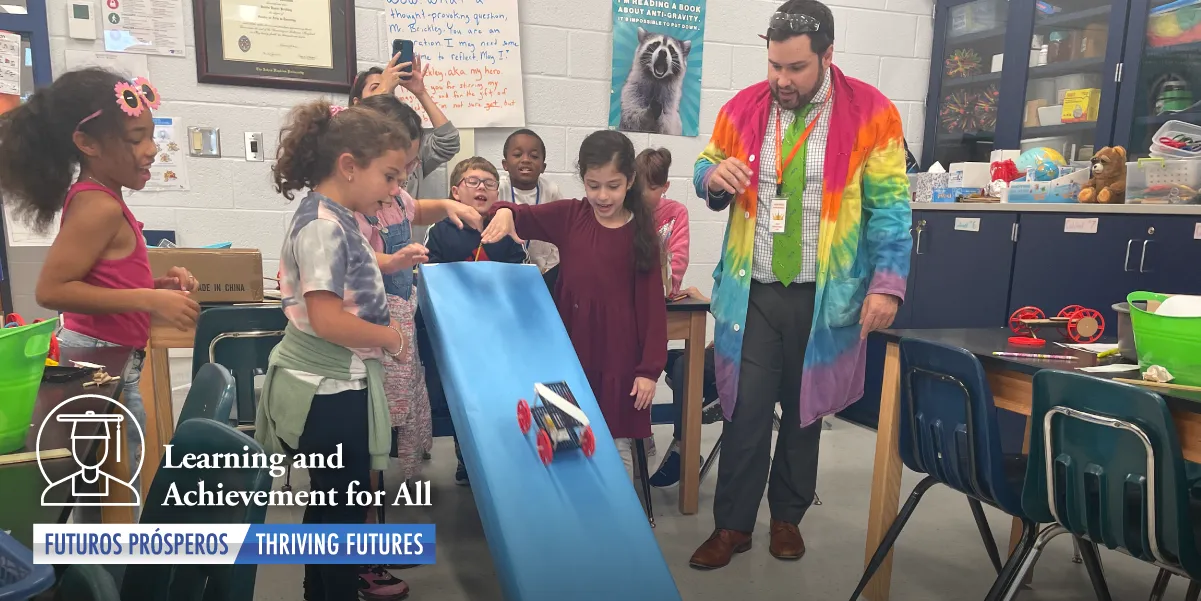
pixel 1081 105
pixel 231 275
pixel 969 175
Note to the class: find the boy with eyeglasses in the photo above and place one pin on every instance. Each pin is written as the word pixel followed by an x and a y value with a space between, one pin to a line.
pixel 475 184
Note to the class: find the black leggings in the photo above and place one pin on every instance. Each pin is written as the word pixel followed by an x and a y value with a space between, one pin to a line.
pixel 336 419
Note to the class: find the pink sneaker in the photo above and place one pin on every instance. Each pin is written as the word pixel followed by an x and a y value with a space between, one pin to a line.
pixel 377 584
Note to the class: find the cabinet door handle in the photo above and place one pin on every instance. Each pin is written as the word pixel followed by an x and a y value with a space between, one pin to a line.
pixel 918 245
pixel 1143 259
pixel 1126 263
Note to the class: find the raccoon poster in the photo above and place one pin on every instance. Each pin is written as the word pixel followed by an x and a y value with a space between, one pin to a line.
pixel 657 49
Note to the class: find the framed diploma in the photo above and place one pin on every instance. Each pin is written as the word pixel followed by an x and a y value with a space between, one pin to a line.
pixel 292 44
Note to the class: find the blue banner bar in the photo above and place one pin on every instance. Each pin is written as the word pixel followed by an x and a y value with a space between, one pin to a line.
pixel 338 543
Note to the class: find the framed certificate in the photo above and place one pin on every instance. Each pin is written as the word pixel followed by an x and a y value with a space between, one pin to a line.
pixel 292 44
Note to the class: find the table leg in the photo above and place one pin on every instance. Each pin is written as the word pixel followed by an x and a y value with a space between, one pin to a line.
pixel 1015 529
pixel 886 474
pixel 160 416
pixel 690 433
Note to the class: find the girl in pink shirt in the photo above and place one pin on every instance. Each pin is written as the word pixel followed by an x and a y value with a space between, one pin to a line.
pixel 97 272
pixel 671 217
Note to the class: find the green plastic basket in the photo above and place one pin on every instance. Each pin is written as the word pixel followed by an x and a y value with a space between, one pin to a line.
pixel 23 352
pixel 1173 343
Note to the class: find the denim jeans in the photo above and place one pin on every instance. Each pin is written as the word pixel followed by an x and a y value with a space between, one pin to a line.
pixel 131 397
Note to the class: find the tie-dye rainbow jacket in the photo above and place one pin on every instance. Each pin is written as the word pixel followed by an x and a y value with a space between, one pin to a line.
pixel 863 245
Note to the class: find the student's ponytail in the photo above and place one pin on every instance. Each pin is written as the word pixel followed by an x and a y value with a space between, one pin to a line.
pixel 318 133
pixel 606 147
pixel 38 155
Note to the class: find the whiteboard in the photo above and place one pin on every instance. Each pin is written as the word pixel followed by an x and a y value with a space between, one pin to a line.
pixel 473 50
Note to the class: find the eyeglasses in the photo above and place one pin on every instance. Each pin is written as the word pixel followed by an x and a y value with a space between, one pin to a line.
pixel 794 23
pixel 476 182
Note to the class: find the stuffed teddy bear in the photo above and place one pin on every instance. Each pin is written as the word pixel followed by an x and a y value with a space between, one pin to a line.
pixel 1107 182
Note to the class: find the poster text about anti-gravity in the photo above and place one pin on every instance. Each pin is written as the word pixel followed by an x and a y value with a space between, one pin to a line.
pixel 657 57
pixel 473 51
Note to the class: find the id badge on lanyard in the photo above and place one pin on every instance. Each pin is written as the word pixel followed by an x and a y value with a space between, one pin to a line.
pixel 779 204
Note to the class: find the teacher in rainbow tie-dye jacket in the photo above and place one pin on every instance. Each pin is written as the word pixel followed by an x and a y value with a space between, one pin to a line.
pixel 811 165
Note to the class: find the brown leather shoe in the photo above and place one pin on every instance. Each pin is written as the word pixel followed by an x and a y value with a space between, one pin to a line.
pixel 786 541
pixel 721 546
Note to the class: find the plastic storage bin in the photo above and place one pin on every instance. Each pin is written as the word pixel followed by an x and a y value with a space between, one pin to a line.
pixel 1170 129
pixel 1173 343
pixel 23 353
pixel 1162 181
pixel 20 579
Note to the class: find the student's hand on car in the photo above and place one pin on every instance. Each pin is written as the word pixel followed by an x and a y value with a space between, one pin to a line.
pixel 500 226
pixel 459 213
pixel 174 307
pixel 643 393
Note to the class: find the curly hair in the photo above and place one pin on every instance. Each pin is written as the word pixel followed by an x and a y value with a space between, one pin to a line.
pixel 606 147
pixel 38 155
pixel 316 136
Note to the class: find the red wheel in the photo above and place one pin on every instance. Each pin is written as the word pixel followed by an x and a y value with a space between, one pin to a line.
pixel 546 451
pixel 1015 320
pixel 1067 312
pixel 1085 326
pixel 588 441
pixel 524 418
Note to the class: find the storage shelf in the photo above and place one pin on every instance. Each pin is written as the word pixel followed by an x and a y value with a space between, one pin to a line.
pixel 1066 68
pixel 968 38
pixel 959 82
pixel 1192 48
pixel 1077 16
pixel 1190 117
pixel 1047 131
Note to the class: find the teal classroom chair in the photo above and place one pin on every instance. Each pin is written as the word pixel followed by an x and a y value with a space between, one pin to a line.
pixel 200 582
pixel 240 338
pixel 87 582
pixel 949 432
pixel 1106 466
pixel 211 396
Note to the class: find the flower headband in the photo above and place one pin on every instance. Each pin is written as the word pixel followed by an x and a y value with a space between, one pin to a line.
pixel 132 99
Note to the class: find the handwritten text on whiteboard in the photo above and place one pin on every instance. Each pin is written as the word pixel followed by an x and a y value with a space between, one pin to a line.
pixel 473 49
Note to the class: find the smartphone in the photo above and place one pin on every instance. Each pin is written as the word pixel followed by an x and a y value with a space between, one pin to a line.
pixel 405 49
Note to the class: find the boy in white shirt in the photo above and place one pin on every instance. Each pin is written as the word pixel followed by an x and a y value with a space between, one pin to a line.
pixel 521 181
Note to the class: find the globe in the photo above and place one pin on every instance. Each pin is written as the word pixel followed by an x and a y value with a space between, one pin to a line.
pixel 1044 161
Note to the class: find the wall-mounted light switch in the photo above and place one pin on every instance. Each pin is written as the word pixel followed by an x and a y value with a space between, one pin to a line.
pixel 204 141
pixel 254 146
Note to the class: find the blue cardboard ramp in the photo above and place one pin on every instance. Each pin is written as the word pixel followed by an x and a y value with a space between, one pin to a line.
pixel 571 530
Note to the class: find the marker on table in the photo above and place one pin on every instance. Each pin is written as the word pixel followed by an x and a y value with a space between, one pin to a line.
pixel 1035 356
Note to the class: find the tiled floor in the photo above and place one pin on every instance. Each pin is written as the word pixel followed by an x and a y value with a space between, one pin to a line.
pixel 939 555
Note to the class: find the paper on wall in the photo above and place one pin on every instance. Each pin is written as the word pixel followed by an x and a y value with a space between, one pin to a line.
pixel 128 65
pixel 473 51
pixel 170 170
pixel 11 60
pixel 20 234
pixel 144 26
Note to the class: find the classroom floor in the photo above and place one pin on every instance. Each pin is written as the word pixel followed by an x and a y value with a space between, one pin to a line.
pixel 939 555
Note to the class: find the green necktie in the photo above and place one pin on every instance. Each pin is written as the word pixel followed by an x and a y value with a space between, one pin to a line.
pixel 786 252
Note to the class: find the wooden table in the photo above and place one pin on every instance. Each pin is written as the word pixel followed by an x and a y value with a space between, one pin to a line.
pixel 1010 380
pixel 686 321
pixel 156 393
pixel 20 479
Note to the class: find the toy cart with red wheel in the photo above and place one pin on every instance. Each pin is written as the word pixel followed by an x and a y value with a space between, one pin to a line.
pixel 562 425
pixel 1078 324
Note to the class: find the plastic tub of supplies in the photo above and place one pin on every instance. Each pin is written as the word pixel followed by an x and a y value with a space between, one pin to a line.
pixel 1173 343
pixel 23 351
pixel 20 578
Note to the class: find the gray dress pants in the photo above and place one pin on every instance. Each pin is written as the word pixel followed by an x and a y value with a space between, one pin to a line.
pixel 775 334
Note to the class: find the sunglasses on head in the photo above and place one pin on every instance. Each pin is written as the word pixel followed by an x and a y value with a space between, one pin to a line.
pixel 133 98
pixel 793 23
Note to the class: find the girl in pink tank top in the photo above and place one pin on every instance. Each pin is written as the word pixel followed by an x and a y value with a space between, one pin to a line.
pixel 96 272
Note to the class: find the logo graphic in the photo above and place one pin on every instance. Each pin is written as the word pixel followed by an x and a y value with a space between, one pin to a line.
pixel 244 44
pixel 114 18
pixel 113 4
pixel 94 436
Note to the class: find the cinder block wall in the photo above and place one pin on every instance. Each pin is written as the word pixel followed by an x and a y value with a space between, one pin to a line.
pixel 566 56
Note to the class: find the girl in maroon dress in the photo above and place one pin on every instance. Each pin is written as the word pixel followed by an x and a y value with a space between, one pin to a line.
pixel 610 286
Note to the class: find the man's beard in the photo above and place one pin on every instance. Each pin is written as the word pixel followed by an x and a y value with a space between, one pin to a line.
pixel 800 100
